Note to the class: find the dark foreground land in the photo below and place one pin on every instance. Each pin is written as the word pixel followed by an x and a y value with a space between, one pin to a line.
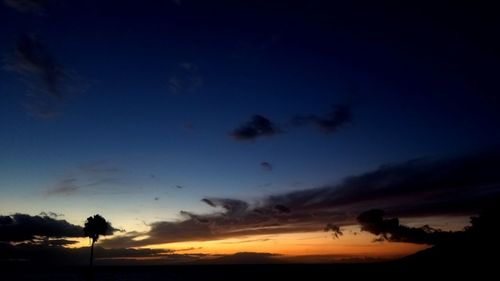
pixel 372 271
pixel 454 261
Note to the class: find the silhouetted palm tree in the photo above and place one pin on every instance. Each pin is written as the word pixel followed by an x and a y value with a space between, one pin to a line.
pixel 94 227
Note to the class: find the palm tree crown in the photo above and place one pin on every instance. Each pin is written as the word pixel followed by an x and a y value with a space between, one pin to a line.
pixel 95 226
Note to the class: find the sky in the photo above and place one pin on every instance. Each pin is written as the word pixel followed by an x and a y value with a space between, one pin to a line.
pixel 219 127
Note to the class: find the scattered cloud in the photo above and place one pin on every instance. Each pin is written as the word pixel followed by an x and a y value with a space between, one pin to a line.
pixel 266 166
pixel 338 117
pixel 258 126
pixel 186 79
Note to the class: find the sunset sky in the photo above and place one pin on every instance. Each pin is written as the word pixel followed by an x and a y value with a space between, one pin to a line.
pixel 219 127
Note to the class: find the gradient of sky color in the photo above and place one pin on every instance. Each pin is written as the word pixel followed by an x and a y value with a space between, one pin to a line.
pixel 155 88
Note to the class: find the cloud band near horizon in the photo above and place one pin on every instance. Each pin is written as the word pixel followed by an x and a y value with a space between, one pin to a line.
pixel 446 187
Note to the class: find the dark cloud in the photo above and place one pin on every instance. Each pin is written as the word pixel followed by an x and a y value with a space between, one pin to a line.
pixel 473 240
pixel 22 227
pixel 390 230
pixel 51 214
pixel 186 79
pixel 334 229
pixel 232 207
pixel 32 58
pixel 266 166
pixel 58 242
pixel 246 258
pixel 258 126
pixel 458 185
pixel 330 123
pixel 197 218
pixel 210 203
pixel 282 209
pixel 28 6
pixel 130 253
pixel 453 186
pixel 32 254
pixel 47 80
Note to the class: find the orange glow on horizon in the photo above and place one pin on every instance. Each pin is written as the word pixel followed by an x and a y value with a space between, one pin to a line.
pixel 352 244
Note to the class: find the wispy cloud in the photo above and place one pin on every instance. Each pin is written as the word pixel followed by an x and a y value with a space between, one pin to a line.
pixel 64 187
pixel 28 6
pixel 177 2
pixel 186 79
pixel 48 82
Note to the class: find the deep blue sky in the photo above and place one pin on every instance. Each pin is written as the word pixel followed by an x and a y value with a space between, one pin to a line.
pixel 420 80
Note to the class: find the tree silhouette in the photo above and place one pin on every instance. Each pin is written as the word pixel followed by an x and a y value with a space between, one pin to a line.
pixel 94 227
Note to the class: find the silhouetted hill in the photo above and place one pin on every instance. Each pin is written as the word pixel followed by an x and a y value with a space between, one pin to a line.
pixel 456 259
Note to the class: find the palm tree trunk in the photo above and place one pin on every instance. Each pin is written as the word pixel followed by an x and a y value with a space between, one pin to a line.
pixel 92 253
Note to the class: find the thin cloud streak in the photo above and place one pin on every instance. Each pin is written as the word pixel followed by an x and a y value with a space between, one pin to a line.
pixel 338 117
pixel 86 178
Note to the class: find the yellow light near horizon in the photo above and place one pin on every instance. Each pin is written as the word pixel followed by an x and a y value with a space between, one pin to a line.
pixel 351 244
pixel 81 242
